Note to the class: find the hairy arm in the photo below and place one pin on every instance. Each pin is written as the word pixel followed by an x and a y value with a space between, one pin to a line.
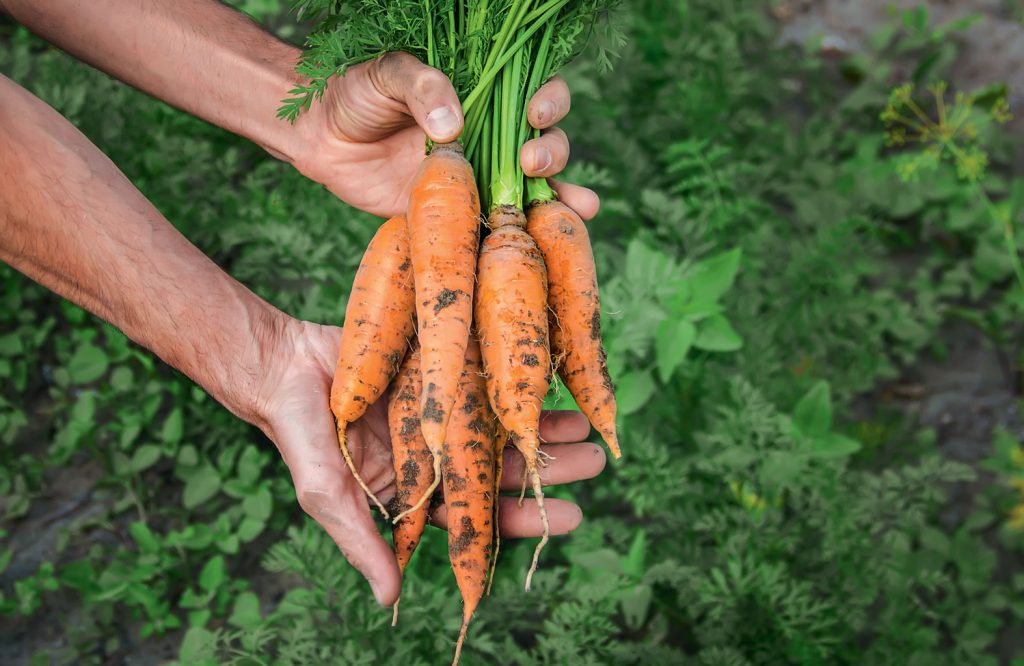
pixel 70 220
pixel 198 55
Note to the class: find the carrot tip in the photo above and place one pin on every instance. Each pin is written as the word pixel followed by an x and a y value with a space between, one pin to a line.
pixel 394 613
pixel 613 443
pixel 352 468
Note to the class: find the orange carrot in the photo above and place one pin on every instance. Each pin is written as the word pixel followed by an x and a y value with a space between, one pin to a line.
pixel 378 325
pixel 468 470
pixel 413 461
pixel 444 228
pixel 575 313
pixel 512 321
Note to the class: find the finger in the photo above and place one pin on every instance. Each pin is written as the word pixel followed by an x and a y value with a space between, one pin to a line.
pixel 343 512
pixel 567 463
pixel 563 425
pixel 545 156
pixel 549 104
pixel 584 201
pixel 426 92
pixel 517 522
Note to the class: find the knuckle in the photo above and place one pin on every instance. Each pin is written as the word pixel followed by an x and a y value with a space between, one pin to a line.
pixel 313 500
pixel 386 72
pixel 428 80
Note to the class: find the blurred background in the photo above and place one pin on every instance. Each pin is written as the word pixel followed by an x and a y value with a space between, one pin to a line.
pixel 831 472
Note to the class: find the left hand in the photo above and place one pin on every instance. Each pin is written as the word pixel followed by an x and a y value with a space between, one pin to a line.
pixel 367 136
pixel 294 412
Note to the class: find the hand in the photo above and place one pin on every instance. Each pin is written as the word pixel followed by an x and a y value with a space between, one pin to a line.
pixel 367 136
pixel 297 417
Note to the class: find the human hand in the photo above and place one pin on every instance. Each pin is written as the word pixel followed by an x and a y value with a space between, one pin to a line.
pixel 294 403
pixel 367 136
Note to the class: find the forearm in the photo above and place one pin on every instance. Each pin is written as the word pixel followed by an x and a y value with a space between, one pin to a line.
pixel 197 55
pixel 71 221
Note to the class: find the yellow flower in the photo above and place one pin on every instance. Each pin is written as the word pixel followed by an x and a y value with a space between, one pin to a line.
pixel 1016 519
pixel 1001 111
pixel 970 164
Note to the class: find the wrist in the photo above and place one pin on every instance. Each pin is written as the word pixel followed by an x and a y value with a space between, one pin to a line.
pixel 289 142
pixel 246 387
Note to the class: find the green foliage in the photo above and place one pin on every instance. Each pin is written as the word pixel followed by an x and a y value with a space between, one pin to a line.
pixel 762 267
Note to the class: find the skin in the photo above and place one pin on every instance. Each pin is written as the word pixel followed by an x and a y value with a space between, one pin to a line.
pixel 364 142
pixel 70 220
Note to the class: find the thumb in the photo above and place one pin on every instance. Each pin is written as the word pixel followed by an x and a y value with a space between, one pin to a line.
pixel 426 92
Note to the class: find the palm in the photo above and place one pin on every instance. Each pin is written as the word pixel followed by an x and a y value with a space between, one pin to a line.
pixel 303 421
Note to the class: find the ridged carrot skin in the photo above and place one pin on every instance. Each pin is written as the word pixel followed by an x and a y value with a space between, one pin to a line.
pixel 444 232
pixel 378 325
pixel 468 469
pixel 575 313
pixel 512 323
pixel 413 462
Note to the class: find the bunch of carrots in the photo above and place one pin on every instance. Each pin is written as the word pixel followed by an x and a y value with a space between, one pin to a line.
pixel 467 305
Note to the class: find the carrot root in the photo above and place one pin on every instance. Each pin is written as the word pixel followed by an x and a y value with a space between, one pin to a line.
pixel 462 639
pixel 394 613
pixel 538 495
pixel 499 462
pixel 355 473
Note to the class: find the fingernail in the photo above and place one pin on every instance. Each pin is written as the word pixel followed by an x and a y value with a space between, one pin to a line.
pixel 442 123
pixel 541 159
pixel 546 111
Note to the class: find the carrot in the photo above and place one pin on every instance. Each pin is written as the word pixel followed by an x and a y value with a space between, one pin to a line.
pixel 378 325
pixel 512 321
pixel 575 320
pixel 468 471
pixel 412 460
pixel 444 228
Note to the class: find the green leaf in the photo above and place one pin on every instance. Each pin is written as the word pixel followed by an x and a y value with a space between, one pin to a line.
pixel 813 413
pixel 716 334
pixel 249 465
pixel 246 612
pixel 249 529
pixel 635 602
pixel 144 457
pixel 202 484
pixel 259 504
pixel 672 341
pixel 11 345
pixel 188 456
pixel 79 575
pixel 173 427
pixel 122 378
pixel 712 277
pixel 148 542
pixel 198 646
pixel 633 392
pixel 633 562
pixel 199 618
pixel 87 364
pixel 213 574
pixel 833 445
